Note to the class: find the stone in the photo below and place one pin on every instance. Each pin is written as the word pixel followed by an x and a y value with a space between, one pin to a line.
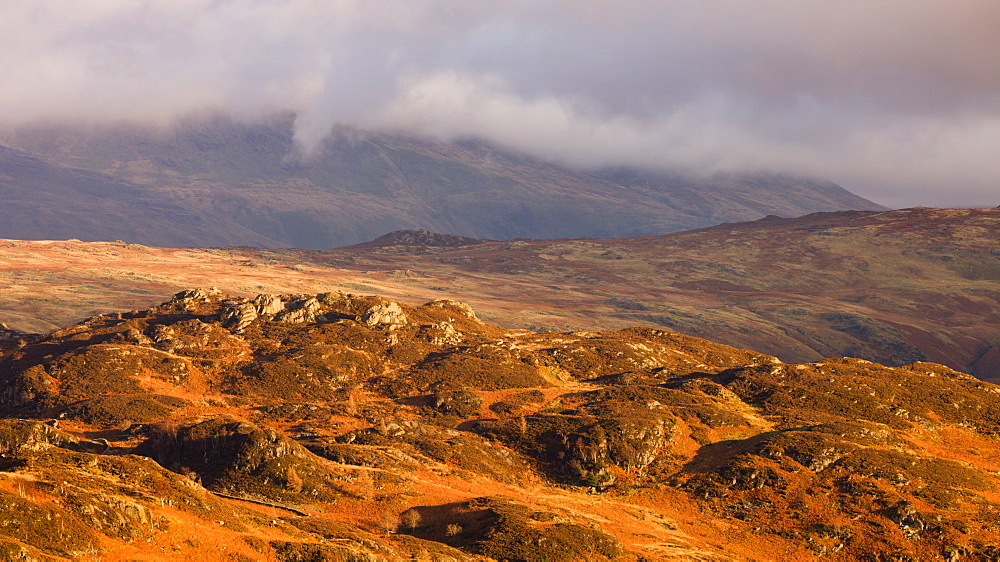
pixel 442 333
pixel 203 295
pixel 388 315
pixel 300 312
pixel 457 402
pixel 268 304
pixel 906 516
pixel 137 337
pixel 459 307
pixel 238 317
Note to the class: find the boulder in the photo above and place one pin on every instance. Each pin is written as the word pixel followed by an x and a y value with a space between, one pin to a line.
pixel 457 402
pixel 456 306
pixel 268 304
pixel 388 315
pixel 300 312
pixel 238 317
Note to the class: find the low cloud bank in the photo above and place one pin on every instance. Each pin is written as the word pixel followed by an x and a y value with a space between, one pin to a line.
pixel 897 101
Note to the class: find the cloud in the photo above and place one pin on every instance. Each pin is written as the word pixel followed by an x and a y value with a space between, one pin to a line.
pixel 899 101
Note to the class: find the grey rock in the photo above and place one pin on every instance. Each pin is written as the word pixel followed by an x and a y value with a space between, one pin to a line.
pixel 137 337
pixel 301 312
pixel 268 304
pixel 388 315
pixel 238 317
pixel 456 306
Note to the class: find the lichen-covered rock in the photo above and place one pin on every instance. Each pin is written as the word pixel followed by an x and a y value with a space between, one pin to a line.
pixel 580 448
pixel 268 304
pixel 192 300
pixel 112 515
pixel 455 306
pixel 239 316
pixel 236 457
pixel 21 437
pixel 300 312
pixel 440 334
pixel 199 294
pixel 387 315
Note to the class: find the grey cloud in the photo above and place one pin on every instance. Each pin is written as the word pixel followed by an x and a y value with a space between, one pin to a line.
pixel 899 101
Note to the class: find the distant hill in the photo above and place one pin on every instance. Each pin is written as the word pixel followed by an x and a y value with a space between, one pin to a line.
pixel 225 182
pixel 892 287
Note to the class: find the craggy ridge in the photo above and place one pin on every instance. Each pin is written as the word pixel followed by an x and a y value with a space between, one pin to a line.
pixel 337 426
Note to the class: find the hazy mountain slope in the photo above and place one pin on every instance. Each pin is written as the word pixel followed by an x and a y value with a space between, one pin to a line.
pixel 42 200
pixel 729 198
pixel 357 185
pixel 336 426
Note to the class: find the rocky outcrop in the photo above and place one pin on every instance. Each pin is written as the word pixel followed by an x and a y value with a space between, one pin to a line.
pixel 300 312
pixel 352 408
pixel 268 304
pixel 502 529
pixel 190 298
pixel 424 237
pixel 20 437
pixel 462 403
pixel 456 306
pixel 582 448
pixel 239 316
pixel 307 309
pixel 388 315
pixel 235 457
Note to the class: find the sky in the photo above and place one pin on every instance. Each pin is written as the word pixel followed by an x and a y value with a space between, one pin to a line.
pixel 898 101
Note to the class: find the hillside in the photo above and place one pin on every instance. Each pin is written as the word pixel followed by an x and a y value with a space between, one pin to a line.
pixel 256 187
pixel 893 287
pixel 337 426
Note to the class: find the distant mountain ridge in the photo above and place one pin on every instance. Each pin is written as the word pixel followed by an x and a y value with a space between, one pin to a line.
pixel 230 183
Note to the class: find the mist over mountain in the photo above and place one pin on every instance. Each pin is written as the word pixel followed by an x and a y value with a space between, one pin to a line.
pixel 896 100
pixel 215 180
